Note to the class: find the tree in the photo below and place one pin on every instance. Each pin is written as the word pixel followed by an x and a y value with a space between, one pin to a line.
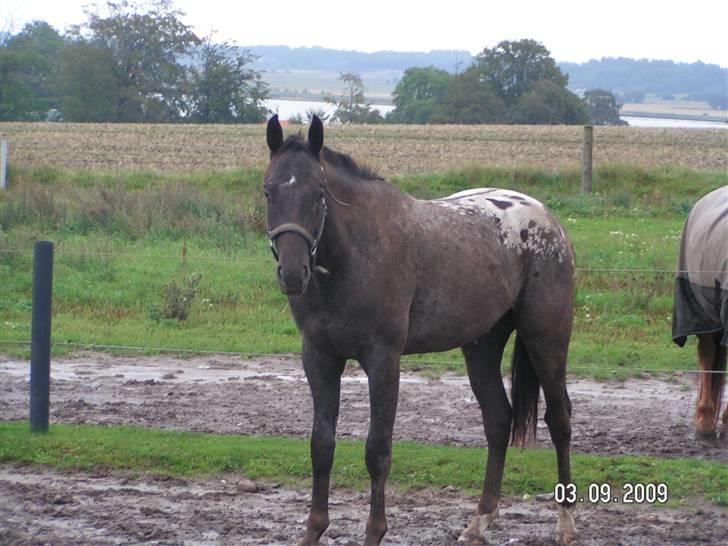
pixel 146 42
pixel 603 107
pixel 417 94
pixel 88 83
pixel 27 66
pixel 223 88
pixel 549 104
pixel 352 107
pixel 513 68
pixel 469 100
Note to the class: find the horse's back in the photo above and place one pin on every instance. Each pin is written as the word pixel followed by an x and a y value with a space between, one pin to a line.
pixel 700 304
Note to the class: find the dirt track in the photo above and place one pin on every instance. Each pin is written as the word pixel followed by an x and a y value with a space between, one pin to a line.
pixel 231 395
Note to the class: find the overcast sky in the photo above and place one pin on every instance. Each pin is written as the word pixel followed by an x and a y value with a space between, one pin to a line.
pixel 573 30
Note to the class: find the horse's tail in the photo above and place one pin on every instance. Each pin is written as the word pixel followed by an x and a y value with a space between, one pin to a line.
pixel 524 396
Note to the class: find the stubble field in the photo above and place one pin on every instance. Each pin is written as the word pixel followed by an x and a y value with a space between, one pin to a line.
pixel 393 149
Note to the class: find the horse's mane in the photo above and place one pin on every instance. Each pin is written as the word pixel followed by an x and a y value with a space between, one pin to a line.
pixel 338 160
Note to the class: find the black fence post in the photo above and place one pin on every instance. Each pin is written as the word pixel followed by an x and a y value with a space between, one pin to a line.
pixel 40 337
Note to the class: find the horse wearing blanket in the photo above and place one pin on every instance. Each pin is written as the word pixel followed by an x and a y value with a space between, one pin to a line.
pixel 372 273
pixel 700 305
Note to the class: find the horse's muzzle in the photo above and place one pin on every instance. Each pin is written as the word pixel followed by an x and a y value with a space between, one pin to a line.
pixel 293 281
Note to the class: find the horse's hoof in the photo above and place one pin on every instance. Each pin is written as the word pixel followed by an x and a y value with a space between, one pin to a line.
pixel 565 527
pixel 474 533
pixel 706 435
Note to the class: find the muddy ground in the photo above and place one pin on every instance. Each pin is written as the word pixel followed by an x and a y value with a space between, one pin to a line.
pixel 230 395
pixel 270 396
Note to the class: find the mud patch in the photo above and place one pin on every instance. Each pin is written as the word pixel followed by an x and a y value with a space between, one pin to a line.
pixel 47 507
pixel 226 394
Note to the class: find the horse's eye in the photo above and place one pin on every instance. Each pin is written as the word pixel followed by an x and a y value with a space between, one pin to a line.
pixel 267 194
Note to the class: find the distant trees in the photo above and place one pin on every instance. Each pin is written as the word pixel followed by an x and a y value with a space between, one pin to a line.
pixel 223 89
pixel 130 62
pixel 418 94
pixel 603 107
pixel 27 70
pixel 145 43
pixel 351 106
pixel 469 100
pixel 514 82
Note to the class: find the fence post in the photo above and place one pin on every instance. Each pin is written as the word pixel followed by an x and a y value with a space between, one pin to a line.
pixel 3 164
pixel 40 336
pixel 586 159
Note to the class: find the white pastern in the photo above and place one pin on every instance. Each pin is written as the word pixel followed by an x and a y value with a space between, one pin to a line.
pixel 475 532
pixel 565 527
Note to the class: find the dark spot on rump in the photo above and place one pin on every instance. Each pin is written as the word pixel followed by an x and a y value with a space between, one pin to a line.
pixel 531 224
pixel 497 220
pixel 524 235
pixel 517 197
pixel 503 205
pixel 525 204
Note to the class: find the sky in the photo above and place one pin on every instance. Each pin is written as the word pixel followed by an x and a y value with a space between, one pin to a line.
pixel 573 30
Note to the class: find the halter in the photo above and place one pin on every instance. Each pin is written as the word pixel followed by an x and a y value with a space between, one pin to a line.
pixel 298 229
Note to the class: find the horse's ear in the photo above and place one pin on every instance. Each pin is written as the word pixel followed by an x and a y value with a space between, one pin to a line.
pixel 274 135
pixel 316 135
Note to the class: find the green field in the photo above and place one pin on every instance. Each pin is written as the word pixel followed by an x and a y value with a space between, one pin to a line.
pixel 284 460
pixel 120 241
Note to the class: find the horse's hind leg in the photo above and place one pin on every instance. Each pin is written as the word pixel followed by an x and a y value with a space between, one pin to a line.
pixel 324 378
pixel 721 360
pixel 483 359
pixel 709 385
pixel 543 321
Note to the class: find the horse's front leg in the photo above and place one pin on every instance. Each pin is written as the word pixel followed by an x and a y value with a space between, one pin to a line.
pixel 382 368
pixel 324 378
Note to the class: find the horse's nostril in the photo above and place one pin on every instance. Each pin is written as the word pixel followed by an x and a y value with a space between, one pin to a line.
pixel 305 271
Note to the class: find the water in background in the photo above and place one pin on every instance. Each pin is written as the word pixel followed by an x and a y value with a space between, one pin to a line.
pixel 287 108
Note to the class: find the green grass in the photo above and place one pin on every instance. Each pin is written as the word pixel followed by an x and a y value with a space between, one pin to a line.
pixel 120 240
pixel 185 454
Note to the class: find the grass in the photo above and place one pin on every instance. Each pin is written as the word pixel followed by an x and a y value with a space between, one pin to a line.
pixel 186 454
pixel 122 239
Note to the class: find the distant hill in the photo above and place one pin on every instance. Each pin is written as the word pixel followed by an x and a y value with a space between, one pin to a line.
pixel 318 58
pixel 634 77
pixel 289 69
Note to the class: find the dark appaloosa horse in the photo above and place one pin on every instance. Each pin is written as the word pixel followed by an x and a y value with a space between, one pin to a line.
pixel 372 273
pixel 700 306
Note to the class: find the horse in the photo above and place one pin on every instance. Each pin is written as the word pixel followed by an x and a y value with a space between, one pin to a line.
pixel 700 303
pixel 372 273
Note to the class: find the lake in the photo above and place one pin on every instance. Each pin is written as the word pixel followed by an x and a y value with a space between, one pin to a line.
pixel 287 108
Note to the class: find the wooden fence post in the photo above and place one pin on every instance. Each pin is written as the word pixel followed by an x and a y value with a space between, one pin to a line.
pixel 3 163
pixel 586 159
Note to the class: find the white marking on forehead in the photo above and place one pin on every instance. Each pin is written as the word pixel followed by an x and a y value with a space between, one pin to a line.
pixel 291 181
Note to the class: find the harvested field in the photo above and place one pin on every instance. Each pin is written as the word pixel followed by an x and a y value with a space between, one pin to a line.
pixel 393 149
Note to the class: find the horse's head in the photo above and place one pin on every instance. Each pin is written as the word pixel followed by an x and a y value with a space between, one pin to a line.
pixel 294 186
